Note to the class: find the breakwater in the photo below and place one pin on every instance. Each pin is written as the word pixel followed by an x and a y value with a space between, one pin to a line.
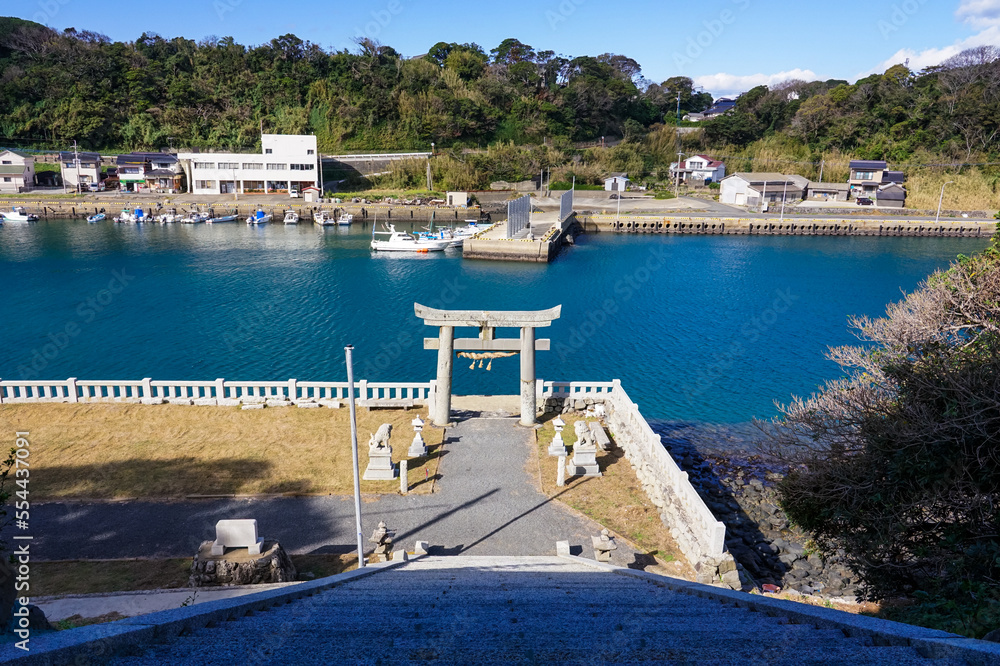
pixel 723 226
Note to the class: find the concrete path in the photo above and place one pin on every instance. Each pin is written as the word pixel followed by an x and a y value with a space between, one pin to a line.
pixel 486 503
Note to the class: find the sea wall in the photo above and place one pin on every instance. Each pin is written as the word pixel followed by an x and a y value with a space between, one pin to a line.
pixel 723 226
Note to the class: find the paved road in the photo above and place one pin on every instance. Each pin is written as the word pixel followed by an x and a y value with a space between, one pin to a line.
pixel 487 503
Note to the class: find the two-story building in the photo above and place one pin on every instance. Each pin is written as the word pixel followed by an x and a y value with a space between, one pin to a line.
pixel 80 171
pixel 132 170
pixel 699 169
pixel 165 174
pixel 17 172
pixel 867 176
pixel 287 163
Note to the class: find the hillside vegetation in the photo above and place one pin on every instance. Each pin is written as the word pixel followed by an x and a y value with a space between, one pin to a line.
pixel 504 114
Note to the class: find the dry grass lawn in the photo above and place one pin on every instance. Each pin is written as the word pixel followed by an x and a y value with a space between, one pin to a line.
pixel 615 500
pixel 106 451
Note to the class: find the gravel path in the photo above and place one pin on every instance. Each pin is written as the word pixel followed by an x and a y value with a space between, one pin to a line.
pixel 486 503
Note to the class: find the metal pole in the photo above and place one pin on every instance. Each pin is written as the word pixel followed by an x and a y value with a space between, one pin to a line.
pixel 941 200
pixel 348 350
pixel 784 192
pixel 76 158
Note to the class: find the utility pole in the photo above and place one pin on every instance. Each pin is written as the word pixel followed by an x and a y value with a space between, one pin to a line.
pixel 784 192
pixel 348 350
pixel 76 159
pixel 941 201
pixel 677 181
pixel 822 165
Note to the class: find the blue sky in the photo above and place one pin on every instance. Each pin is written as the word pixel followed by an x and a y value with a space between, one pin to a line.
pixel 725 45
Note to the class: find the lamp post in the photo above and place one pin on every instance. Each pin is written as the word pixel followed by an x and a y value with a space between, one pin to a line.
pixel 941 200
pixel 348 350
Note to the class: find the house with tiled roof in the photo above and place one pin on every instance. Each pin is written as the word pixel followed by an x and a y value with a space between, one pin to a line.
pixel 868 176
pixel 755 189
pixel 17 172
pixel 699 169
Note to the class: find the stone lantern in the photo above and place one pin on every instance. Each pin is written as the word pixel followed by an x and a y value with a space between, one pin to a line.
pixel 557 448
pixel 417 448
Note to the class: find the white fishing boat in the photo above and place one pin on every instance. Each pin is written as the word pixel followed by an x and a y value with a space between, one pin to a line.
pixel 400 241
pixel 18 214
pixel 291 217
pixel 345 219
pixel 129 216
pixel 168 218
pixel 96 217
pixel 323 219
pixel 195 218
pixel 442 234
pixel 259 217
pixel 232 217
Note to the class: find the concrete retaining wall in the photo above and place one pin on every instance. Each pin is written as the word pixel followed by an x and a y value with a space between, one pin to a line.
pixel 790 227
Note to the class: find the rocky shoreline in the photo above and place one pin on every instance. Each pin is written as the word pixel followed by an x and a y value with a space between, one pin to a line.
pixel 737 484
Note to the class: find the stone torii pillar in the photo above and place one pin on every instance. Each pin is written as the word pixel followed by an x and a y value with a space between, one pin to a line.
pixel 487 323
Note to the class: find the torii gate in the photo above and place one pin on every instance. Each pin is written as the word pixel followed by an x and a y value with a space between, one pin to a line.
pixel 487 323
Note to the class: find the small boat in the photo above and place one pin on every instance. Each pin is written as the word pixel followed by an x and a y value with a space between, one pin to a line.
pixel 442 234
pixel 345 219
pixel 18 214
pixel 323 219
pixel 232 217
pixel 260 217
pixel 291 217
pixel 97 217
pixel 195 218
pixel 400 241
pixel 128 216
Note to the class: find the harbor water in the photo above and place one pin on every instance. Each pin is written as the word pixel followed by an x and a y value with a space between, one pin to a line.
pixel 700 329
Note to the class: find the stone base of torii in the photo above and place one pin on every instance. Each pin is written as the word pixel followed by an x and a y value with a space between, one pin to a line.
pixel 487 322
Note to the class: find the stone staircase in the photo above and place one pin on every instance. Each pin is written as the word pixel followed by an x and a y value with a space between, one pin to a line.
pixel 517 610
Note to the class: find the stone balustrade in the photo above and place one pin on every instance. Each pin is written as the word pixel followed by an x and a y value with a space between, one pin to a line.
pixel 218 392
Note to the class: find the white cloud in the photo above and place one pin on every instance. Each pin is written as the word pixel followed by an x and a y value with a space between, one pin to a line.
pixel 980 13
pixel 935 56
pixel 730 85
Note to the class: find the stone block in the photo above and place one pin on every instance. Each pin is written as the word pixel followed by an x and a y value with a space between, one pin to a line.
pixel 253 406
pixel 151 401
pixel 562 548
pixel 206 402
pixel 252 400
pixel 240 533
pixel 278 403
pixel 332 404
pixel 180 401
pixel 228 402
pixel 420 548
pixel 309 405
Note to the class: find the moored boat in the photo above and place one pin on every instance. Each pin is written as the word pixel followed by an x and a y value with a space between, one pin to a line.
pixel 232 217
pixel 400 241
pixel 345 219
pixel 96 217
pixel 291 217
pixel 18 214
pixel 259 217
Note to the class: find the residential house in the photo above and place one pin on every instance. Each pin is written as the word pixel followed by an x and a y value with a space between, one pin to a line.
pixel 165 174
pixel 80 171
pixel 132 170
pixel 17 172
pixel 828 191
pixel 867 176
pixel 286 162
pixel 616 182
pixel 747 189
pixel 699 169
pixel 721 106
pixel 891 195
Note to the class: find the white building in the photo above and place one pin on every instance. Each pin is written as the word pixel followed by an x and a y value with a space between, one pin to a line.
pixel 289 162
pixel 17 172
pixel 700 168
pixel 747 189
pixel 86 173
pixel 616 182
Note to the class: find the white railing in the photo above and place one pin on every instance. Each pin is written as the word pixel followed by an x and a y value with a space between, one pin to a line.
pixel 220 390
pixel 698 533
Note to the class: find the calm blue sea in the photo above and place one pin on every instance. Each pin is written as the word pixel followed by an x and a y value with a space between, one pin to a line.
pixel 706 330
